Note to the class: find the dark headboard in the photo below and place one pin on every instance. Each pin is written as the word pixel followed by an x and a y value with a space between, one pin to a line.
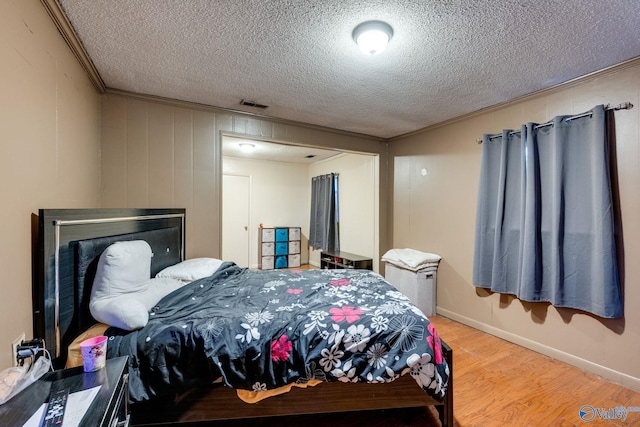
pixel 70 243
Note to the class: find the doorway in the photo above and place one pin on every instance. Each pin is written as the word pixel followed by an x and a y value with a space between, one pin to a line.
pixel 236 193
pixel 280 176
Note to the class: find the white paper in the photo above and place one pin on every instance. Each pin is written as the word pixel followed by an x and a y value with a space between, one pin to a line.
pixel 77 406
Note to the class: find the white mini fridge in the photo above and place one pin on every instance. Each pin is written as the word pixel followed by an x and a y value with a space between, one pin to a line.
pixel 419 286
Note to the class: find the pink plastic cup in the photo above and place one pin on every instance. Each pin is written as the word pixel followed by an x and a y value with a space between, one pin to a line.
pixel 94 353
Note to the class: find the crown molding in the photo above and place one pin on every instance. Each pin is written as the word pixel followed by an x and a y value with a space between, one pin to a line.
pixel 70 37
pixel 633 62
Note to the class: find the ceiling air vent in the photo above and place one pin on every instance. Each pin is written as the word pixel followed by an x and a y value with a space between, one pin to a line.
pixel 252 104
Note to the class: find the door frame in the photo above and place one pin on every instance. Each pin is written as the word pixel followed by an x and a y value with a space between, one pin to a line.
pixel 249 217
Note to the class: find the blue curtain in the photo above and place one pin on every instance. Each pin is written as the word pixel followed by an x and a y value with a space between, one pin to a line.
pixel 545 217
pixel 324 230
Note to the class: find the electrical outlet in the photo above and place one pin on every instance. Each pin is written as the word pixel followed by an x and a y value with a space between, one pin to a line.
pixel 14 349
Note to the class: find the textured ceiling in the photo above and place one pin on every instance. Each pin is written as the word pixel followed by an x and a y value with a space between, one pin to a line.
pixel 447 58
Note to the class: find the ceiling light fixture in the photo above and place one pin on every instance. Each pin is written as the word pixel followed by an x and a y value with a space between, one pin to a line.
pixel 246 147
pixel 372 36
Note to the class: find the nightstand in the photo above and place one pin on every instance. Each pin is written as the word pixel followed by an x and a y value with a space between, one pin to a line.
pixel 108 408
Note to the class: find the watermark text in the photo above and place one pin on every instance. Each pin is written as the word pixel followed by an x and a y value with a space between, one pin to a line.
pixel 589 413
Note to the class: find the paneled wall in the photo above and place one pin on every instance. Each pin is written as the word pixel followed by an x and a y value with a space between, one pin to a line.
pixel 49 148
pixel 436 213
pixel 163 154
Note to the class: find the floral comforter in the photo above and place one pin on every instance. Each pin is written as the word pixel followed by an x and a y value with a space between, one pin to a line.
pixel 260 330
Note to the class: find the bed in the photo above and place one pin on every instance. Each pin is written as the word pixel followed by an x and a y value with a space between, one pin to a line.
pixel 70 245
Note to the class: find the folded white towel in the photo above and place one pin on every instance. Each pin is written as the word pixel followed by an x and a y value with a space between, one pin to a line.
pixel 411 259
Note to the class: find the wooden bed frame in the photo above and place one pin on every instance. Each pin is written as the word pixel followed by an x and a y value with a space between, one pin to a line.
pixel 70 242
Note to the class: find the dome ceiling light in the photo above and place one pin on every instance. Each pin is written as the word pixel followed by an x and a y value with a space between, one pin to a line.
pixel 247 147
pixel 372 36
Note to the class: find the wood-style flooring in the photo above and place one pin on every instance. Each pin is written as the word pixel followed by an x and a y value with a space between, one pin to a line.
pixel 497 383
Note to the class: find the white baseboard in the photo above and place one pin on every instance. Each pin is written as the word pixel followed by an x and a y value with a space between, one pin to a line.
pixel 586 365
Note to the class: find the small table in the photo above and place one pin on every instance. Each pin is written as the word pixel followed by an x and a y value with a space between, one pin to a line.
pixel 108 408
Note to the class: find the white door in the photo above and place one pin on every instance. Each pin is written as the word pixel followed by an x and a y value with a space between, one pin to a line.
pixel 235 219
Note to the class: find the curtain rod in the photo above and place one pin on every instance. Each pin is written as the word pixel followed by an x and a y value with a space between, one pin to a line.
pixel 624 106
pixel 326 174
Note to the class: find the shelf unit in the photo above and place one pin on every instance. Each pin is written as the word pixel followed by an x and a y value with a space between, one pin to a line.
pixel 332 260
pixel 279 247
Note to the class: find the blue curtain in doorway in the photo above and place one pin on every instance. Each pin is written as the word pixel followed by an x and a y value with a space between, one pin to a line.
pixel 324 229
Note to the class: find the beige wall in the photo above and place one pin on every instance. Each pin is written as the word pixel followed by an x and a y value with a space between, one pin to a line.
pixel 168 154
pixel 279 197
pixel 156 154
pixel 65 146
pixel 358 198
pixel 49 148
pixel 436 213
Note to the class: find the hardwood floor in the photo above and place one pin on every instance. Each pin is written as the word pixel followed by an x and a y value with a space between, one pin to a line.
pixel 497 383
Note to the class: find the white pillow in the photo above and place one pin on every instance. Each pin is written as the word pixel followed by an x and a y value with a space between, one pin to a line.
pixel 123 267
pixel 191 269
pixel 122 292
pixel 130 311
pixel 121 312
pixel 157 289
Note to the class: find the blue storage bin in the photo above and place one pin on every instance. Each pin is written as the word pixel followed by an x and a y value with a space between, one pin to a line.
pixel 282 234
pixel 281 261
pixel 282 248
